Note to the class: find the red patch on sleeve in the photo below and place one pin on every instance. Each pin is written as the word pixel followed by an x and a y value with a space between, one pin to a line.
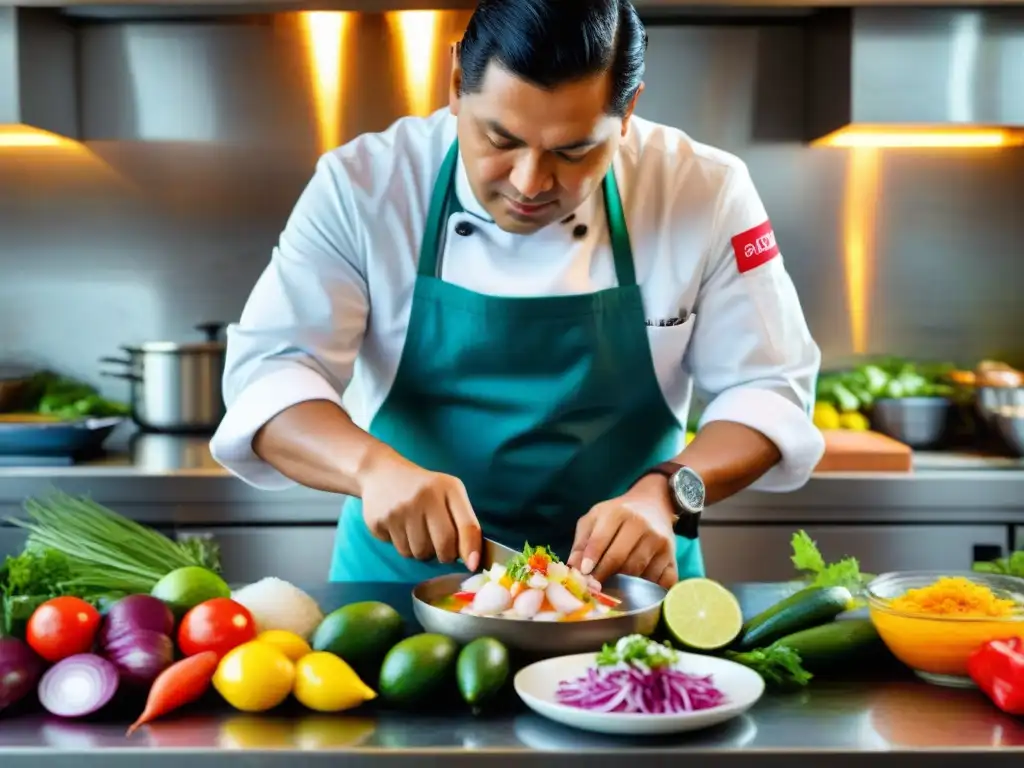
pixel 755 247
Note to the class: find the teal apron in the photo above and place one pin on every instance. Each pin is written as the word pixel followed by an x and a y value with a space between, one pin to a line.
pixel 542 406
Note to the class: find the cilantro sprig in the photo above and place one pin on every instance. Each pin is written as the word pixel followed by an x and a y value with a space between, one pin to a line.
pixel 807 559
pixel 518 567
pixel 637 649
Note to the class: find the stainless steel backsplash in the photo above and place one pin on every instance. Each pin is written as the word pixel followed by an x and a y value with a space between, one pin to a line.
pixel 200 136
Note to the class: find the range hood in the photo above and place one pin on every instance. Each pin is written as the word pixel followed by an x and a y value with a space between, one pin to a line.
pixel 956 75
pixel 38 90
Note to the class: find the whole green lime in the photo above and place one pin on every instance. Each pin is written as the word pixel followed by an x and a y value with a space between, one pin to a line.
pixel 185 588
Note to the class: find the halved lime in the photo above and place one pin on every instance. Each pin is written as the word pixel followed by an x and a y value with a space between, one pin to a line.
pixel 702 614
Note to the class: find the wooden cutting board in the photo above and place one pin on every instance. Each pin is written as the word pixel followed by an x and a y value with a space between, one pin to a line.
pixel 850 451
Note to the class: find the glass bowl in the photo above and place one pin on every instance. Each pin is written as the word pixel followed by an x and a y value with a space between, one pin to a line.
pixel 937 647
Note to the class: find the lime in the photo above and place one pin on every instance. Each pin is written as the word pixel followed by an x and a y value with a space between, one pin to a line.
pixel 185 588
pixel 702 614
pixel 481 670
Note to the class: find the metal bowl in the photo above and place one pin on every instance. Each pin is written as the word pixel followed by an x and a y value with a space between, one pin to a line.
pixel 993 400
pixel 641 600
pixel 1010 423
pixel 919 422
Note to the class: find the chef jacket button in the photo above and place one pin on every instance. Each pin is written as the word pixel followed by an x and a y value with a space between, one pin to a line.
pixel 580 230
pixel 464 228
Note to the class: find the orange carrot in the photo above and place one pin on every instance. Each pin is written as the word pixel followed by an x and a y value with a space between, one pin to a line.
pixel 181 683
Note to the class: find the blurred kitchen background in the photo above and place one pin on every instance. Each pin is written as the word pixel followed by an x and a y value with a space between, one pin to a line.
pixel 149 158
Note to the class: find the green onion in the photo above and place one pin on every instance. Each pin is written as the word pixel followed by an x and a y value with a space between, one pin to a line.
pixel 106 551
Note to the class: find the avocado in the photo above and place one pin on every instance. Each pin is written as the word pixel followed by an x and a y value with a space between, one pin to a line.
pixel 417 668
pixel 360 633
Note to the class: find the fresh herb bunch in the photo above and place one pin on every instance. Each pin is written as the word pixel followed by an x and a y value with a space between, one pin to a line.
pixel 105 552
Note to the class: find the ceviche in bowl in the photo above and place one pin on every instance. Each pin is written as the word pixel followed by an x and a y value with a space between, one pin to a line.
pixel 533 586
pixel 507 601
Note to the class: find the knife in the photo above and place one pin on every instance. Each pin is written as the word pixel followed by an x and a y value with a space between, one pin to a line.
pixel 495 554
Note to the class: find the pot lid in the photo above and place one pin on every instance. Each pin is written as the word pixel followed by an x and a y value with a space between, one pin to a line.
pixel 174 347
pixel 213 343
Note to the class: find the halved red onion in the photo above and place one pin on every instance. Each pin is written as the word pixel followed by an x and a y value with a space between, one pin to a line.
pixel 78 685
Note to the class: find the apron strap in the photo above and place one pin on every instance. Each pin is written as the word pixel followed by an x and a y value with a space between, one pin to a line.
pixel 622 251
pixel 443 204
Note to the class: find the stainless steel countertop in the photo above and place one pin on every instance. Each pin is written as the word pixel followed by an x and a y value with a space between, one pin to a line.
pixel 169 478
pixel 877 723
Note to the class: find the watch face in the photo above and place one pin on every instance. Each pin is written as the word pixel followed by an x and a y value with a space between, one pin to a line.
pixel 689 489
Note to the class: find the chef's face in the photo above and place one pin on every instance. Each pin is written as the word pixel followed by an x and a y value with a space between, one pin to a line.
pixel 533 155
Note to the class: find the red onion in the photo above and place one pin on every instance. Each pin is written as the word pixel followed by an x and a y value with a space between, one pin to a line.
pixel 78 685
pixel 139 655
pixel 137 612
pixel 631 690
pixel 20 669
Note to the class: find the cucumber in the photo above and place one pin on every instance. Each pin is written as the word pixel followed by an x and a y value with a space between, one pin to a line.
pixel 807 608
pixel 829 645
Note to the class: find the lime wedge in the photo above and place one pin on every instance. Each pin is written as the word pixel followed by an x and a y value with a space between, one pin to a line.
pixel 702 614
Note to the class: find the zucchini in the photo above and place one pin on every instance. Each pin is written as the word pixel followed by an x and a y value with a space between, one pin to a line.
pixel 807 608
pixel 829 645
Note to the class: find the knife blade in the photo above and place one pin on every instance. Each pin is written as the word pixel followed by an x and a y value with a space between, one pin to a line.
pixel 495 553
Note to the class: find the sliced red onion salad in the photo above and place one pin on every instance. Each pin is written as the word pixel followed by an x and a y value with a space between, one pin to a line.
pixel 630 689
pixel 78 685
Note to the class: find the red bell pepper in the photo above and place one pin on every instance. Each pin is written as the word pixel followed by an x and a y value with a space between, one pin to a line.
pixel 998 669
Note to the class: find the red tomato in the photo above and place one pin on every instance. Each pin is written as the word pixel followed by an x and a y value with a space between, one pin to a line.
pixel 62 627
pixel 217 625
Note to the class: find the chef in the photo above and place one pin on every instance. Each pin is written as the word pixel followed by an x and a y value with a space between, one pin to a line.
pixel 491 320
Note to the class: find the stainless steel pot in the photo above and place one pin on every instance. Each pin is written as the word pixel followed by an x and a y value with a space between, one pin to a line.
pixel 175 387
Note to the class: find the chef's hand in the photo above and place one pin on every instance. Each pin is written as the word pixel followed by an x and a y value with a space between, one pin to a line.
pixel 631 534
pixel 423 514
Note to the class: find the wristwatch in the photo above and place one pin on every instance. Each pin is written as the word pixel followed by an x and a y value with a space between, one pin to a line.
pixel 686 489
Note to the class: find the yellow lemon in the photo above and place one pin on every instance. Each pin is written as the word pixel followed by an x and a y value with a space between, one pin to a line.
pixel 855 421
pixel 290 644
pixel 826 416
pixel 325 683
pixel 254 677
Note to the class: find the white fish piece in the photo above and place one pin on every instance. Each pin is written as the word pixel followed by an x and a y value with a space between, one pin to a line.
pixel 561 599
pixel 547 616
pixel 496 572
pixel 528 603
pixel 537 581
pixel 468 611
pixel 557 571
pixel 474 582
pixel 492 599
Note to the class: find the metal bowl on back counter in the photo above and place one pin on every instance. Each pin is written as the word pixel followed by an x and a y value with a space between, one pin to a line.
pixel 920 422
pixel 1009 421
pixel 641 605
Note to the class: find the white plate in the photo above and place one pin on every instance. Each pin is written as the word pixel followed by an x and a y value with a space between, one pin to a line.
pixel 537 683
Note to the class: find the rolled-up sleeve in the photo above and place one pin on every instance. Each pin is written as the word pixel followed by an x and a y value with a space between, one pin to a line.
pixel 752 352
pixel 301 328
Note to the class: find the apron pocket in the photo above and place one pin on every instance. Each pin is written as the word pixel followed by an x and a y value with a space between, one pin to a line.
pixel 668 347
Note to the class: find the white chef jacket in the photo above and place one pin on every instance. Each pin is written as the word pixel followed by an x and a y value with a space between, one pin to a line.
pixel 328 317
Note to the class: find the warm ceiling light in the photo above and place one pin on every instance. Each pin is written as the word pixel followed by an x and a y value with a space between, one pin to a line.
pixel 921 137
pixel 25 136
pixel 325 33
pixel 417 34
pixel 860 205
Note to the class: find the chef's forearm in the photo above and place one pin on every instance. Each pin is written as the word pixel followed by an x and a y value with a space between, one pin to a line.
pixel 729 457
pixel 316 444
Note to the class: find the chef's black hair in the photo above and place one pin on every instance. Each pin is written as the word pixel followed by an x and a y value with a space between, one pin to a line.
pixel 553 42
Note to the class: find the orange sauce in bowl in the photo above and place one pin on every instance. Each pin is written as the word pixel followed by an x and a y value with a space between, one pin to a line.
pixel 939 645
